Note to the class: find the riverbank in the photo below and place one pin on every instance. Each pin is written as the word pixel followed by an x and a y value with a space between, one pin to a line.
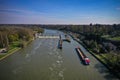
pixel 99 57
pixel 13 48
pixel 10 52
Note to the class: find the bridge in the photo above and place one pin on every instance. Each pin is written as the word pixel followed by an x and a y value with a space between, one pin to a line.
pixel 48 37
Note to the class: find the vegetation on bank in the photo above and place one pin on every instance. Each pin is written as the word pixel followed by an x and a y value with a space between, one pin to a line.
pixel 107 49
pixel 15 37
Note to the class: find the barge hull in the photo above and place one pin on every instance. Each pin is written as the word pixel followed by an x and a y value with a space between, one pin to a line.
pixel 84 58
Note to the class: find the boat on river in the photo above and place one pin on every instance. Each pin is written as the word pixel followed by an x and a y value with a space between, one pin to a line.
pixel 60 44
pixel 67 38
pixel 83 57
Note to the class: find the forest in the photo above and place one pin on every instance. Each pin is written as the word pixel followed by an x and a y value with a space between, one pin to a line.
pixel 17 35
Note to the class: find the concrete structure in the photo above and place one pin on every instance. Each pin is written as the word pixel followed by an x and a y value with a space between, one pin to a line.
pixel 48 36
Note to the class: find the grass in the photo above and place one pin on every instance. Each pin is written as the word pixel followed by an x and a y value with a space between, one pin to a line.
pixel 105 36
pixel 115 38
pixel 12 48
pixel 2 55
pixel 14 44
pixel 10 52
pixel 111 38
pixel 102 57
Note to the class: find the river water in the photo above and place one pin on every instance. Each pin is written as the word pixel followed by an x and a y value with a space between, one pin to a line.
pixel 42 60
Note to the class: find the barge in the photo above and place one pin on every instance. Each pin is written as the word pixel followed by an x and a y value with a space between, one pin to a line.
pixel 67 38
pixel 84 58
pixel 60 44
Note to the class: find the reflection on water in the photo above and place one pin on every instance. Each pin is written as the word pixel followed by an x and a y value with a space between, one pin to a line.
pixel 42 60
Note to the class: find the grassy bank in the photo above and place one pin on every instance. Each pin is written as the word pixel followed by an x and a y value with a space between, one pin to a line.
pixel 13 47
pixel 10 52
pixel 13 37
pixel 111 38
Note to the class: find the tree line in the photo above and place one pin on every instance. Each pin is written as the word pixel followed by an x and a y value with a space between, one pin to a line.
pixel 13 33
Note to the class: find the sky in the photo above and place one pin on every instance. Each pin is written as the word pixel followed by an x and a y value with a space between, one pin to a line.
pixel 59 11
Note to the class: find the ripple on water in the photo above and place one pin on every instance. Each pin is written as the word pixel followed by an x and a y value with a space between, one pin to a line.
pixel 57 53
pixel 56 70
pixel 60 57
pixel 50 68
pixel 37 46
pixel 17 70
pixel 27 55
pixel 54 49
pixel 60 74
pixel 33 52
pixel 58 62
pixel 56 74
pixel 51 48
pixel 50 53
pixel 54 65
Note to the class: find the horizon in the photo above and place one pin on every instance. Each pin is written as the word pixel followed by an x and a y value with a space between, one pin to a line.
pixel 62 12
pixel 61 24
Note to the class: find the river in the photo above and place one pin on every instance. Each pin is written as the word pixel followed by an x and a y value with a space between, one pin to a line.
pixel 42 60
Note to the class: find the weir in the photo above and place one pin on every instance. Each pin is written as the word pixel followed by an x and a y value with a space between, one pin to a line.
pixel 48 36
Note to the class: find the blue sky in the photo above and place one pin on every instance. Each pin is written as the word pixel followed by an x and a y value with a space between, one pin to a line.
pixel 59 11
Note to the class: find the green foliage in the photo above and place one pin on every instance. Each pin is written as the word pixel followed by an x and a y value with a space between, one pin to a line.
pixel 25 34
pixel 115 38
pixel 13 33
pixel 13 37
pixel 8 35
pixel 4 42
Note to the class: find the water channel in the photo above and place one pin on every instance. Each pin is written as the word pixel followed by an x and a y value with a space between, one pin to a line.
pixel 42 60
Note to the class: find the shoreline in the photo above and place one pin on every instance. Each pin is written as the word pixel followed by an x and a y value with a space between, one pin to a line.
pixel 12 51
pixel 9 53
